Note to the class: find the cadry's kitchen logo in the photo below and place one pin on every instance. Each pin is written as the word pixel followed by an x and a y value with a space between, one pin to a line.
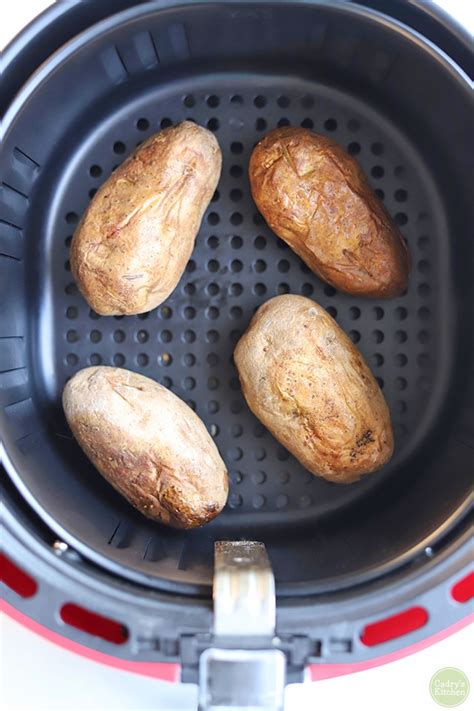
pixel 449 687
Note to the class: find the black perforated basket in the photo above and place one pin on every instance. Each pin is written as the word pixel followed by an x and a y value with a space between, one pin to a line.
pixel 342 555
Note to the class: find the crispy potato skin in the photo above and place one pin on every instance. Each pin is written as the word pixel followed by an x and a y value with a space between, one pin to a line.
pixel 315 197
pixel 132 244
pixel 309 385
pixel 148 444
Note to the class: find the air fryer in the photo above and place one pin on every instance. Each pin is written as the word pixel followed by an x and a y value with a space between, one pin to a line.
pixel 362 571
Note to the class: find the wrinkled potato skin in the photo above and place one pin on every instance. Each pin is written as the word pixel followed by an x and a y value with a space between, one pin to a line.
pixel 132 244
pixel 148 444
pixel 315 197
pixel 309 385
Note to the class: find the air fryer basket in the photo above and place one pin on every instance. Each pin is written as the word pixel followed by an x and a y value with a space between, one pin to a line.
pixel 241 69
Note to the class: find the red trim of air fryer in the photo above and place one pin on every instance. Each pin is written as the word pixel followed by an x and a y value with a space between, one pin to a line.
pixel 171 672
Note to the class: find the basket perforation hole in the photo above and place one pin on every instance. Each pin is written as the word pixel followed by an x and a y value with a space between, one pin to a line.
pixel 119 147
pixel 236 218
pixel 71 312
pixel 212 336
pixel 189 336
pixel 236 265
pixel 119 360
pixel 189 101
pixel 354 148
pixel 307 289
pixel 95 359
pixel 213 242
pixel 213 101
pixel 143 360
pixel 260 124
pixel 165 359
pixel 95 171
pixel 423 266
pixel 212 312
pixel 400 383
pixel 142 336
pixel 188 359
pixel 165 122
pixel 283 101
pixel 307 123
pixel 380 193
pixel 212 288
pixel 189 312
pixel 212 383
pixel 377 171
pixel 260 265
pixel 236 147
pixel 213 218
pixel 260 101
pixel 143 124
pixel 400 360
pixel 259 289
pixel 283 122
pixel 212 265
pixel 330 124
pixel 236 171
pixel 95 336
pixel 235 289
pixel 401 218
pixel 189 288
pixel 71 218
pixel 119 336
pixel 213 124
pixel 213 407
pixel 401 195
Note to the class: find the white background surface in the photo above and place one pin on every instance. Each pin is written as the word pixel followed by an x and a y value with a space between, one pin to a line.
pixel 36 675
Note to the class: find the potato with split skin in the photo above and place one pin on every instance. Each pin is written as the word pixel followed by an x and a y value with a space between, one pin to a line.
pixel 310 386
pixel 148 444
pixel 132 245
pixel 315 196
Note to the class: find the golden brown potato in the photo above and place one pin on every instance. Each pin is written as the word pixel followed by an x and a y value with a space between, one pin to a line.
pixel 315 197
pixel 132 244
pixel 309 385
pixel 148 444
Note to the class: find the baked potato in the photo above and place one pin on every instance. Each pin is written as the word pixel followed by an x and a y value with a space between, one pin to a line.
pixel 132 244
pixel 309 385
pixel 148 444
pixel 315 196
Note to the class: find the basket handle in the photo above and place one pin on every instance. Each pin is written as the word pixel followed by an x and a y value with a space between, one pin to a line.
pixel 242 670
